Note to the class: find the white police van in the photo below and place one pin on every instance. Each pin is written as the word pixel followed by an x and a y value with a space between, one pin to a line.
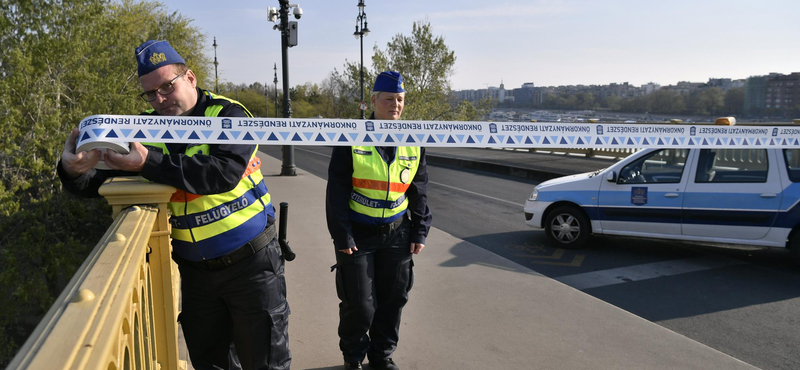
pixel 727 196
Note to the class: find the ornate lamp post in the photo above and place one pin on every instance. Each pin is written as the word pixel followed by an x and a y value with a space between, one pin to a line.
pixel 216 77
pixel 361 31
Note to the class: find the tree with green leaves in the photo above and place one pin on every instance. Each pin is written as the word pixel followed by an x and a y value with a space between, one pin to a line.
pixel 708 101
pixel 62 61
pixel 666 101
pixel 734 101
pixel 426 63
pixel 345 86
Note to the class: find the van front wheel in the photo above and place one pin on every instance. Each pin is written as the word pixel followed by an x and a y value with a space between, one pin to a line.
pixel 568 227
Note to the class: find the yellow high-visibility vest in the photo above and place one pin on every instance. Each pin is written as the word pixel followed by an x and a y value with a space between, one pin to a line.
pixel 379 188
pixel 210 226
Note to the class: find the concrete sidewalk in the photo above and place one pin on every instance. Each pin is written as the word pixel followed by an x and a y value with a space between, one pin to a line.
pixel 469 308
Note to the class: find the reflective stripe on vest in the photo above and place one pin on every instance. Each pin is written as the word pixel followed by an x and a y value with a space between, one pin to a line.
pixel 379 188
pixel 209 226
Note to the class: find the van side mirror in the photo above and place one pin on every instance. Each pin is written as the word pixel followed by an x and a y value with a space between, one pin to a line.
pixel 611 177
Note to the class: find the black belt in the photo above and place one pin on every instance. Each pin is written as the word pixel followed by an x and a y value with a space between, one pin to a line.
pixel 248 249
pixel 382 229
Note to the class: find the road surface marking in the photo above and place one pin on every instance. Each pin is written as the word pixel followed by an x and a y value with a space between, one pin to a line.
pixel 439 184
pixel 645 271
pixel 576 262
pixel 312 152
pixel 542 259
pixel 477 194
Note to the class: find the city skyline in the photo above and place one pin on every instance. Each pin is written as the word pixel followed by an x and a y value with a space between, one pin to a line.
pixel 549 43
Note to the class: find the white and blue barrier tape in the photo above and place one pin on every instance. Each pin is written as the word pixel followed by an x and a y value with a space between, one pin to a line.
pixel 95 131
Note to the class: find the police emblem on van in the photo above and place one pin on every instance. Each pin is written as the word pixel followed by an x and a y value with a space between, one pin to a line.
pixel 639 195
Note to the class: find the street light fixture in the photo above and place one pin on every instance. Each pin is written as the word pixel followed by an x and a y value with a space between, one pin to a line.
pixel 361 31
pixel 288 39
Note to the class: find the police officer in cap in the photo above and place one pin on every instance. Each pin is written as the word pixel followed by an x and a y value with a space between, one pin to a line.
pixel 378 217
pixel 234 312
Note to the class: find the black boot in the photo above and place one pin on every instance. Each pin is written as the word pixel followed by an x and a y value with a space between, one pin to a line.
pixel 385 364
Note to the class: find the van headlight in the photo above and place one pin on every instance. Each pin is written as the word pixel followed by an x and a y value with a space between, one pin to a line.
pixel 534 195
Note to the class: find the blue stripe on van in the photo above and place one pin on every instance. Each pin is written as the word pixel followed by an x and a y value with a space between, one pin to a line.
pixel 788 219
pixel 698 217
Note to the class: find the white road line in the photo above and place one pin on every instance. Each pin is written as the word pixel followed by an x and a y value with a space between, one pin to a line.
pixel 440 184
pixel 312 152
pixel 477 194
pixel 646 271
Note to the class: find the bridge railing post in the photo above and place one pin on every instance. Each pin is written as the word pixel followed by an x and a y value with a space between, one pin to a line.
pixel 122 192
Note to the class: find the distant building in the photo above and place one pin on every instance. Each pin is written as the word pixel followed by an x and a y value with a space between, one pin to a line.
pixel 649 88
pixel 724 83
pixel 770 94
pixel 494 93
pixel 623 90
pixel 755 94
pixel 783 92
pixel 523 97
pixel 684 87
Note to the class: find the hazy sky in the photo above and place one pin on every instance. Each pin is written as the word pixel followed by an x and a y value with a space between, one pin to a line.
pixel 547 42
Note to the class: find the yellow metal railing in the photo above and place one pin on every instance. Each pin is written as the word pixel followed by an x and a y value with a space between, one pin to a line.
pixel 119 311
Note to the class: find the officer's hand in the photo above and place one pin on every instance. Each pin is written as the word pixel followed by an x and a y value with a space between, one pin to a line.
pixel 349 250
pixel 76 164
pixel 417 247
pixel 133 161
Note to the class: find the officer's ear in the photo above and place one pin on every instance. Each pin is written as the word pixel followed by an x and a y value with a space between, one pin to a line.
pixel 190 76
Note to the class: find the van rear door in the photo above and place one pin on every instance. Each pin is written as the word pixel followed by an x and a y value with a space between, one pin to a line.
pixel 733 194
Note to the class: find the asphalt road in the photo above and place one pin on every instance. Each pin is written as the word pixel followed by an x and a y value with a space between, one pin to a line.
pixel 743 303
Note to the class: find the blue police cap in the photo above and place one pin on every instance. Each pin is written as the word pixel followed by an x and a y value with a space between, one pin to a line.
pixel 389 81
pixel 155 54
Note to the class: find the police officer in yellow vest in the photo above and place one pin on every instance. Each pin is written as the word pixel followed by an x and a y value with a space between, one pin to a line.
pixel 234 312
pixel 378 217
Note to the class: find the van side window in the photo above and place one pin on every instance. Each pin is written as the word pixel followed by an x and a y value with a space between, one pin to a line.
pixel 732 165
pixel 663 167
pixel 792 163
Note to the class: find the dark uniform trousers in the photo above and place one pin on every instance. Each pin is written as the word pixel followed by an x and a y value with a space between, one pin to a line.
pixel 373 285
pixel 243 304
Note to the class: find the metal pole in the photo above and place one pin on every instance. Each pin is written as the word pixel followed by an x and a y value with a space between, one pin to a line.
pixel 276 89
pixel 266 99
pixel 361 31
pixel 363 112
pixel 287 168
